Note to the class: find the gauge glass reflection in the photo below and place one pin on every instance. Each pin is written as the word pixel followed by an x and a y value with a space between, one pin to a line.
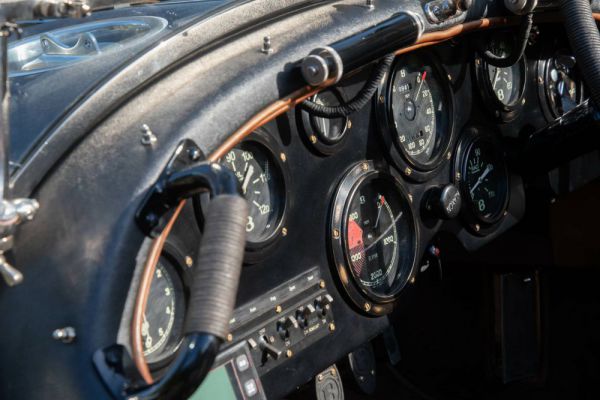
pixel 563 84
pixel 262 186
pixel 329 130
pixel 419 110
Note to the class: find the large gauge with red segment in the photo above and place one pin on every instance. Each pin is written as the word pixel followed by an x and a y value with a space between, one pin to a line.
pixel 374 235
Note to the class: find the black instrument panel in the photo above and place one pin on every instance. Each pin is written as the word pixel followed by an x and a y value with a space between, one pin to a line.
pixel 346 196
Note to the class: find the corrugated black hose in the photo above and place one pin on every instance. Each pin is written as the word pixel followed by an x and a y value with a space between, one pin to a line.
pixel 359 101
pixel 585 41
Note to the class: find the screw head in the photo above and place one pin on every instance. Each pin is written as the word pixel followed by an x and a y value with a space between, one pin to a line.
pixel 322 284
pixel 349 124
pixel 407 171
pixel 331 327
pixel 283 157
pixel 289 353
pixel 284 231
pixel 336 233
pixel 477 228
pixel 367 307
pixel 278 309
pixel 364 166
pixel 229 337
pixel 189 261
pixel 313 139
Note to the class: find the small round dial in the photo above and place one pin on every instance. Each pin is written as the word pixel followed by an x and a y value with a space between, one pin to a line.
pixel 564 87
pixel 262 186
pixel 163 319
pixel 485 180
pixel 419 110
pixel 505 83
pixel 328 130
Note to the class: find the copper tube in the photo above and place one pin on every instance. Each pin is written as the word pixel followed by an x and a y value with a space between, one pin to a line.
pixel 268 114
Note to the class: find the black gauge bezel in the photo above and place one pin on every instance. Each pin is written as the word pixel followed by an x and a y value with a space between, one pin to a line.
pixel 172 265
pixel 257 251
pixel 314 139
pixel 499 110
pixel 543 70
pixel 477 223
pixel 368 302
pixel 409 167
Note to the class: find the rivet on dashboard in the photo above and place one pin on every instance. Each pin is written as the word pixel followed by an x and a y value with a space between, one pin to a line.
pixel 449 155
pixel 148 137
pixel 283 157
pixel 407 171
pixel 278 309
pixel 266 48
pixel 336 233
pixel 412 280
pixel 523 101
pixel 284 231
pixel 381 99
pixel 313 139
pixel 450 77
pixel 189 261
pixel 271 339
pixel 477 61
pixel 333 371
pixel 348 124
pixel 410 197
pixel 367 307
pixel 365 166
pixel 457 176
pixel 322 284
pixel 505 213
pixel 320 377
pixel 229 337
pixel 540 81
pixel 331 327
pixel 477 228
pixel 289 353
pixel 65 335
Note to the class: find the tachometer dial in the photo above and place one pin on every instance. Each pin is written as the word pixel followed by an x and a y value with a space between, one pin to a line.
pixel 374 238
pixel 483 176
pixel 262 186
pixel 419 110
pixel 163 320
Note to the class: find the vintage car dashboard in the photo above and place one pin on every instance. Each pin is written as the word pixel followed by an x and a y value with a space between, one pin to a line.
pixel 344 212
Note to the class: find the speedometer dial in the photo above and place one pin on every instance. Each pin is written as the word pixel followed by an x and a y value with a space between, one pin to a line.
pixel 419 110
pixel 262 186
pixel 374 236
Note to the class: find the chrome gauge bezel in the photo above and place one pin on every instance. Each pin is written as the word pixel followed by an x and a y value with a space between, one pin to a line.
pixel 499 110
pixel 409 167
pixel 477 224
pixel 368 302
pixel 257 251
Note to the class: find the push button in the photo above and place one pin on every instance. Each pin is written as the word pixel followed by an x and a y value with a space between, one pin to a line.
pixel 241 362
pixel 250 387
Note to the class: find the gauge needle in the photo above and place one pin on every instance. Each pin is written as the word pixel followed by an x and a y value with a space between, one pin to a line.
pixel 247 178
pixel 389 228
pixel 381 201
pixel 488 169
pixel 496 77
pixel 423 76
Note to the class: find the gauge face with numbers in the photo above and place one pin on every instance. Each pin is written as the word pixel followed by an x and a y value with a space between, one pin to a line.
pixel 419 109
pixel 163 320
pixel 485 182
pixel 262 186
pixel 506 83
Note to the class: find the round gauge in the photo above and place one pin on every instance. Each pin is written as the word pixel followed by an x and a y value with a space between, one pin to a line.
pixel 377 244
pixel 163 320
pixel 262 186
pixel 502 88
pixel 484 176
pixel 419 110
pixel 563 87
pixel 329 130
pixel 326 135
